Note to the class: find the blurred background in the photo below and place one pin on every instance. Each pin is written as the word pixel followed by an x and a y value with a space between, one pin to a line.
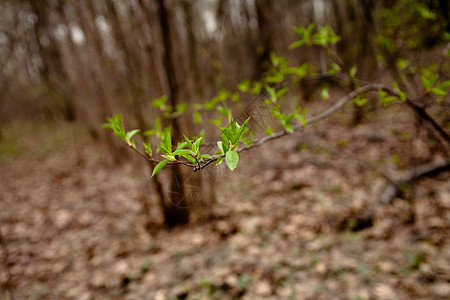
pixel 298 219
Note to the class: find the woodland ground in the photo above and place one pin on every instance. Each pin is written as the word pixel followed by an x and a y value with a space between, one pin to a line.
pixel 299 218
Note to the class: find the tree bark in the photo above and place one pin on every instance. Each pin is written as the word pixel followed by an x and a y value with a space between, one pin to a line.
pixel 175 213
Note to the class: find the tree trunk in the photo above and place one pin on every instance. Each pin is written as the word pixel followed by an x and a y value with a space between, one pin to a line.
pixel 175 212
pixel 52 72
pixel 265 44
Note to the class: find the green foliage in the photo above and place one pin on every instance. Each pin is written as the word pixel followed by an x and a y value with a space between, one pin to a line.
pixel 116 125
pixel 324 36
pixel 360 101
pixel 159 166
pixel 275 85
pixel 156 129
pixel 417 28
pixel 385 99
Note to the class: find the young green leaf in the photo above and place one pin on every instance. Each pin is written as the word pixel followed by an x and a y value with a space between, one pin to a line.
pixel 232 158
pixel 181 145
pixel 166 142
pixel 256 89
pixel 159 102
pixel 225 143
pixel 190 158
pixel 220 160
pixel 130 135
pixel 324 94
pixel 241 129
pixel 244 86
pixel 159 166
pixel 182 152
pixel 248 140
pixel 148 148
pixel 220 145
pixel 188 141
pixel 272 94
pixel 196 145
pixel 353 71
pixel 197 117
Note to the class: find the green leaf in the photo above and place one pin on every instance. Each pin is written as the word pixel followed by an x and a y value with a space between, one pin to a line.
pixel 206 156
pixel 226 112
pixel 225 143
pixel 256 89
pixel 403 95
pixel 281 92
pixel 179 110
pixel 220 145
pixel 353 71
pixel 388 100
pixel 241 129
pixel 301 117
pixel 220 160
pixel 244 86
pixel 196 145
pixel 159 166
pixel 438 91
pixel 190 158
pixel 116 124
pixel 148 148
pixel 166 142
pixel 197 117
pixel 131 133
pixel 159 102
pixel 324 94
pixel 181 145
pixel 334 69
pixel 359 101
pixel 156 129
pixel 300 71
pixel 228 133
pixel 269 130
pixel 248 140
pixel 402 63
pixel 217 121
pixel 232 158
pixel 169 157
pixel 188 141
pixel 272 94
pixel 274 78
pixel 182 152
pixel 296 44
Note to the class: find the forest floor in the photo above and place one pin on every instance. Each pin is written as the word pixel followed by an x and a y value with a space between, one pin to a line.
pixel 300 218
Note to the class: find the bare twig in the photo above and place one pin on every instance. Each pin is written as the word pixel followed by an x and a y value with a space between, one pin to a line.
pixel 393 189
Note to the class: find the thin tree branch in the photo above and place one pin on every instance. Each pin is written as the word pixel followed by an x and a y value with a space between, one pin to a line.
pixel 396 188
pixel 320 116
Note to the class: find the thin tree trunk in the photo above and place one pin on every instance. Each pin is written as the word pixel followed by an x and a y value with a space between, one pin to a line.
pixel 101 74
pixel 265 45
pixel 52 71
pixel 175 214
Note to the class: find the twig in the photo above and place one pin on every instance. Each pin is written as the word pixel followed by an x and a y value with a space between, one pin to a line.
pixel 393 189
pixel 319 117
pixel 152 160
